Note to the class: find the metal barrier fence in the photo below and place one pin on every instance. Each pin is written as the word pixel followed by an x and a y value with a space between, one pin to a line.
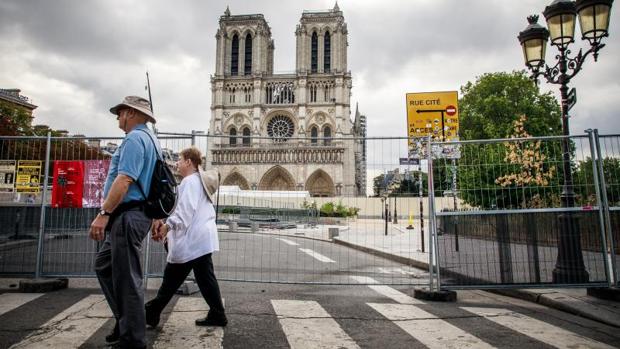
pixel 510 224
pixel 608 166
pixel 295 210
pixel 271 234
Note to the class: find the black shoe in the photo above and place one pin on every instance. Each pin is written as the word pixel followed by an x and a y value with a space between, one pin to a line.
pixel 152 316
pixel 213 320
pixel 114 335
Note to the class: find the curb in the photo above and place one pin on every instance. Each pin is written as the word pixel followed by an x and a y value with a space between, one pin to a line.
pixel 516 293
pixel 400 259
pixel 42 285
pixel 552 303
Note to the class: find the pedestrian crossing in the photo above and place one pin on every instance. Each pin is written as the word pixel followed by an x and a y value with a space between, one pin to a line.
pixel 309 323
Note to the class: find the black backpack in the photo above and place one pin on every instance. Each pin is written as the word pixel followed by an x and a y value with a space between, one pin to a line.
pixel 162 198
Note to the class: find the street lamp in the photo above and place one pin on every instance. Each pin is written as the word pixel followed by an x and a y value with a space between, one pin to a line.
pixel 561 17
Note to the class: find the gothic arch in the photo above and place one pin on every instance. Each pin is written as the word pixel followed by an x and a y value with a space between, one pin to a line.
pixel 320 184
pixel 235 178
pixel 232 121
pixel 272 114
pixel 277 178
pixel 249 31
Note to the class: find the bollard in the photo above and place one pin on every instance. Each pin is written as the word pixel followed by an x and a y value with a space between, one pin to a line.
pixel 332 232
pixel 254 227
pixel 232 227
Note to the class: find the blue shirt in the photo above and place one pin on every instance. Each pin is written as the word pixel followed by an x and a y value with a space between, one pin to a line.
pixel 135 158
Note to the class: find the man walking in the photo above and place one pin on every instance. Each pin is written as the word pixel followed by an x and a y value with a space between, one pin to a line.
pixel 124 224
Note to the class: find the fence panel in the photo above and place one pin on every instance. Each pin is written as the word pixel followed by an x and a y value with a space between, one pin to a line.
pixel 292 208
pixel 507 223
pixel 609 163
pixel 20 207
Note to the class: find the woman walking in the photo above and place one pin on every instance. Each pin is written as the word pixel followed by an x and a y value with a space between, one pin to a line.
pixel 191 233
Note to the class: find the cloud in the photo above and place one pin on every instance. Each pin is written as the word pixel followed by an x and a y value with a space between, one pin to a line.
pixel 77 58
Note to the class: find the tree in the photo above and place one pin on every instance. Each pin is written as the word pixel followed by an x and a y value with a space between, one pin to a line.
pixel 489 109
pixel 14 120
pixel 584 181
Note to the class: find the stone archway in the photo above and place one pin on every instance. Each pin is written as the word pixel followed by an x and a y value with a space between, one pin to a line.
pixel 320 184
pixel 277 178
pixel 237 179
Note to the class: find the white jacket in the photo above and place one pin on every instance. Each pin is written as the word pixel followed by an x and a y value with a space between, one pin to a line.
pixel 193 232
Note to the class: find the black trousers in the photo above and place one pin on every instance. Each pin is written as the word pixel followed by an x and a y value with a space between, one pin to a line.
pixel 175 274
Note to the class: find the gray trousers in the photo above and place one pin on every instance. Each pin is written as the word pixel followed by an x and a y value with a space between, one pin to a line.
pixel 120 275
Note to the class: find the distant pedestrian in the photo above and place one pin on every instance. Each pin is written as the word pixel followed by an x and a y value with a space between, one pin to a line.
pixel 124 224
pixel 191 234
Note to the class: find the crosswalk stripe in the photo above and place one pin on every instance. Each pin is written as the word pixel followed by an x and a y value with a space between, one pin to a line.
pixel 180 331
pixel 307 325
pixel 10 301
pixel 539 330
pixel 317 255
pixel 72 327
pixel 427 328
pixel 386 290
pixel 288 242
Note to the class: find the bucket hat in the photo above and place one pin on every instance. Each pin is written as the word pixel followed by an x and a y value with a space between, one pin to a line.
pixel 210 182
pixel 138 103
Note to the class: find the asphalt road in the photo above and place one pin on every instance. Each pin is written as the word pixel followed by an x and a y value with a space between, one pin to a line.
pixel 242 257
pixel 326 316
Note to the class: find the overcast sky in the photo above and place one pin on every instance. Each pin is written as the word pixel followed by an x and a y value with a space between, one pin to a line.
pixel 75 59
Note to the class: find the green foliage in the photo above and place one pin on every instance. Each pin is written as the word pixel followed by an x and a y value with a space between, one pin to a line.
pixel 584 181
pixel 14 120
pixel 330 209
pixel 489 108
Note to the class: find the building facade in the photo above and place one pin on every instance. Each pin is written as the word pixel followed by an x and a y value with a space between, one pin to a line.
pixel 285 131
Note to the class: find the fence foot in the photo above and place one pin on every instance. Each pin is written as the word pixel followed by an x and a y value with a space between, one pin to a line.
pixel 607 293
pixel 42 285
pixel 435 296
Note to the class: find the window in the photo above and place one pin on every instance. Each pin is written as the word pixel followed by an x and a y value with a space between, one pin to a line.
pixel 313 89
pixel 232 96
pixel 280 128
pixel 314 134
pixel 246 136
pixel 247 68
pixel 248 95
pixel 327 53
pixel 232 140
pixel 326 94
pixel 327 134
pixel 314 53
pixel 234 57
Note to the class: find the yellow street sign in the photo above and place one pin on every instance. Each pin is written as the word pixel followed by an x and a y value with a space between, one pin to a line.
pixel 433 113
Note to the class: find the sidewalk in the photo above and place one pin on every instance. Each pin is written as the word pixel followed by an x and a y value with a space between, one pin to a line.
pixel 404 246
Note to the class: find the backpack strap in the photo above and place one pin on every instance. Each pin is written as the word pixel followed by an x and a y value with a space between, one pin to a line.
pixel 159 157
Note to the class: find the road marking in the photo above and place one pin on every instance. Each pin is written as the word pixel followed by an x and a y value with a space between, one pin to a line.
pixel 10 301
pixel 427 328
pixel 180 331
pixel 317 255
pixel 307 325
pixel 386 290
pixel 288 242
pixel 539 330
pixel 72 327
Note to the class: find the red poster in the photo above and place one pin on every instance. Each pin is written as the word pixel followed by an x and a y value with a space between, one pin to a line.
pixel 68 184
pixel 95 174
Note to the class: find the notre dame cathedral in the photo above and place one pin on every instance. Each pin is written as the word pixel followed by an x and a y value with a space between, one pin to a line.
pixel 286 131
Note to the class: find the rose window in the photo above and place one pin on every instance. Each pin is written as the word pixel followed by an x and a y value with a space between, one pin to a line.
pixel 280 128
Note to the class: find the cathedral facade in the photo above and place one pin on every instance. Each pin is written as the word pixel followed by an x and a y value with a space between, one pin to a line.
pixel 286 131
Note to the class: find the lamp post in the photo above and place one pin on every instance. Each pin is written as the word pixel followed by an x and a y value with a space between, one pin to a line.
pixel 561 18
